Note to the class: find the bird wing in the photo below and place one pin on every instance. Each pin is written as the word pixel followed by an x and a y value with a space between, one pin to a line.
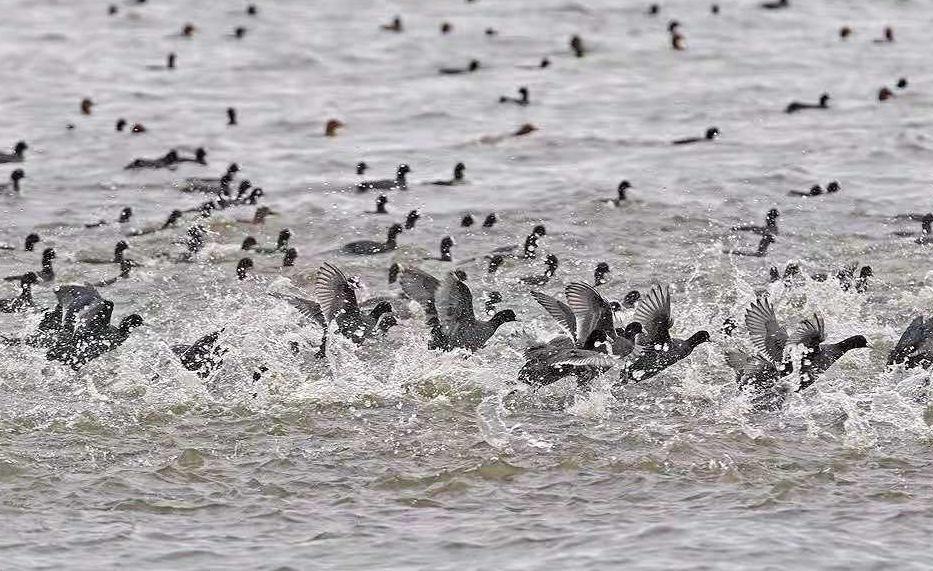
pixel 654 314
pixel 587 358
pixel 72 299
pixel 560 311
pixel 194 353
pixel 334 293
pixel 454 303
pixel 306 307
pixel 918 337
pixel 549 349
pixel 810 333
pixel 767 335
pixel 591 309
pixel 419 285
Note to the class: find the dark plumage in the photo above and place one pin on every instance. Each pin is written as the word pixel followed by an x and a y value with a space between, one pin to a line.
pixel 339 304
pixel 770 226
pixel 398 183
pixel 760 252
pixel 17 156
pixel 202 357
pixel 710 135
pixel 28 245
pixel 46 274
pixel 550 263
pixel 23 301
pixel 915 347
pixel 13 186
pixel 369 247
pixel 795 106
pixel 522 100
pixel 601 274
pixel 459 169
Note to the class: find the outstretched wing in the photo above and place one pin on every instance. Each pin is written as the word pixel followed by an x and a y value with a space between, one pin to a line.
pixel 334 293
pixel 419 286
pixel 308 308
pixel 560 311
pixel 454 303
pixel 810 333
pixel 591 309
pixel 767 335
pixel 654 314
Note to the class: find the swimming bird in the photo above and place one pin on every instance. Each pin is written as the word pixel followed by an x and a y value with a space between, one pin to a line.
pixel 231 117
pixel 12 187
pixel 399 183
pixel 523 100
pixel 458 177
pixel 915 347
pixel 620 195
pixel 197 182
pixel 126 267
pixel 710 135
pixel 118 252
pixel 926 227
pixel 795 106
pixel 677 42
pixel 369 247
pixel 658 349
pixel 446 27
pixel 473 66
pixel 888 36
pixel 820 356
pixel 654 10
pixel 395 26
pixel 815 190
pixel 168 160
pixel 550 263
pixel 239 32
pixel 601 274
pixel 361 168
pixel 330 128
pixel 762 251
pixel 381 202
pixel 243 267
pixel 281 243
pixel 28 246
pixel 248 244
pixel 411 219
pixel 495 261
pixel 770 226
pixel 447 243
pixel 631 299
pixel 23 301
pixel 490 220
pixel 776 5
pixel 288 260
pixel 902 83
pixel 171 222
pixel 531 242
pixel 467 221
pixel 46 274
pixel 202 357
pixel 17 156
pixel 884 94
pixel 339 304
pixel 86 106
pixel 169 63
pixel 200 157
pixel 125 215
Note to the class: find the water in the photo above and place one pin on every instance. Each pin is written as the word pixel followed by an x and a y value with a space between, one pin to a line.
pixel 396 457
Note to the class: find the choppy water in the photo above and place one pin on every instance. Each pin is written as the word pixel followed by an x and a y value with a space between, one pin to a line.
pixel 398 457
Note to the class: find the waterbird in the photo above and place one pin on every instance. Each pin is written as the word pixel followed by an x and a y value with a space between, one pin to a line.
pixel 447 243
pixel 710 135
pixel 23 301
pixel 28 245
pixel 620 195
pixel 915 346
pixel 658 350
pixel 118 254
pixel 446 27
pixel 888 36
pixel 339 304
pixel 884 94
pixel 125 215
pixel 795 106
pixel 381 202
pixel 398 183
pixel 168 160
pixel 394 26
pixel 902 83
pixel 576 46
pixel 490 220
pixel 169 63
pixel 188 30
pixel 523 100
pixel 470 68
pixel 601 274
pixel 677 42
pixel 770 226
pixel 330 128
pixel 126 266
pixel 845 32
pixel 760 252
pixel 411 219
pixel 550 263
pixel 200 157
pixel 369 247
pixel 495 261
pixel 86 106
pixel 361 168
pixel 46 274
pixel 288 260
pixel 459 168
pixel 13 186
pixel 17 156
pixel 529 251
pixel 243 268
pixel 170 222
pixel 467 221
pixel 231 117
pixel 776 5
pixel 202 357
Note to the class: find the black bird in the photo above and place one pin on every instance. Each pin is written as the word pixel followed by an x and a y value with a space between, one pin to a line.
pixel 631 299
pixel 231 116
pixel 915 347
pixel 531 242
pixel 202 357
pixel 368 247
pixel 281 243
pixel 776 5
pixel 490 220
pixel 168 160
pixel 411 219
pixel 380 205
pixel 601 274
pixel 446 244
pixel 815 190
pixel 523 100
pixel 495 261
pixel 467 221
pixel 24 300
pixel 170 222
pixel 493 298
pixel 762 251
pixel 288 260
pixel 820 356
pixel 770 226
pixel 395 26
pixel 398 183
pixel 169 63
pixel 200 157
pixel 541 279
pixel 243 267
pixel 125 215
pixel 458 177
pixel 770 339
pixel 248 244
pixel 339 304
pixel 474 65
pixel 795 106
pixel 620 198
pixel 126 267
pixel 232 169
pixel 17 156
pixel 12 187
pixel 46 274
pixel 361 168
pixel 259 217
pixel 658 349
pixel 711 135
pixel 118 252
pixel 28 246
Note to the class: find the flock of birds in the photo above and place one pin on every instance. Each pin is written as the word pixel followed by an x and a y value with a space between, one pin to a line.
pixel 79 328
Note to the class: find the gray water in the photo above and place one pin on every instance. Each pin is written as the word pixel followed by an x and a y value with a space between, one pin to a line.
pixel 397 457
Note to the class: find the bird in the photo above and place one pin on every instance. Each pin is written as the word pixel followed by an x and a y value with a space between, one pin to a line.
pixel 710 135
pixel 531 242
pixel 473 66
pixel 495 261
pixel 126 267
pixel 46 274
pixel 760 252
pixel 243 268
pixel 467 221
pixel 369 247
pixel 620 195
pixel 17 156
pixel 196 183
pixel 770 226
pixel 601 274
pixel 168 160
pixel 815 190
pixel 170 222
pixel 86 106
pixel 776 5
pixel 361 168
pixel 118 252
pixel 795 106
pixel 888 36
pixel 281 243
pixel 915 347
pixel 125 215
pixel 820 356
pixel 399 183
pixel 658 350
pixel 288 260
pixel 458 177
pixel 23 301
pixel 447 243
pixel 200 157
pixel 28 245
pixel 550 263
pixel 523 100
pixel 760 371
pixel 490 220
pixel 202 357
pixel 576 46
pixel 885 93
pixel 330 128
pixel 259 217
pixel 231 117
pixel 339 304
pixel 411 219
pixel 381 202
pixel 13 187
pixel 448 305
pixel 394 26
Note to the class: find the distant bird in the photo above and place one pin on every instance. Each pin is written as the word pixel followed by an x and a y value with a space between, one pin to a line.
pixel 288 260
pixel 654 10
pixel 888 36
pixel 24 300
pixel 169 63
pixel 381 202
pixel 915 347
pixel 411 219
pixel 714 8
pixel 395 26
pixel 239 32
pixel 770 226
pixel 902 83
pixel 601 274
pixel 531 242
pixel 46 274
pixel 490 220
pixel 125 215
pixel 17 156
pixel 330 129
pixel 458 177
pixel 845 32
pixel 576 46
pixel 118 255
pixel 677 42
pixel 170 222
pixel 795 106
pixel 658 350
pixel 817 190
pixel 369 247
pixel 398 183
pixel 820 356
pixel 361 168
pixel 200 157
pixel 495 262
pixel 126 266
pixel 776 5
pixel 339 304
pixel 447 243
pixel 28 246
pixel 760 252
pixel 467 221
pixel 231 117
pixel 243 267
pixel 710 135
pixel 522 100
pixel 446 28
pixel 473 66
pixel 620 195
pixel 550 269
pixel 884 94
pixel 168 160
pixel 13 187
pixel 86 106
